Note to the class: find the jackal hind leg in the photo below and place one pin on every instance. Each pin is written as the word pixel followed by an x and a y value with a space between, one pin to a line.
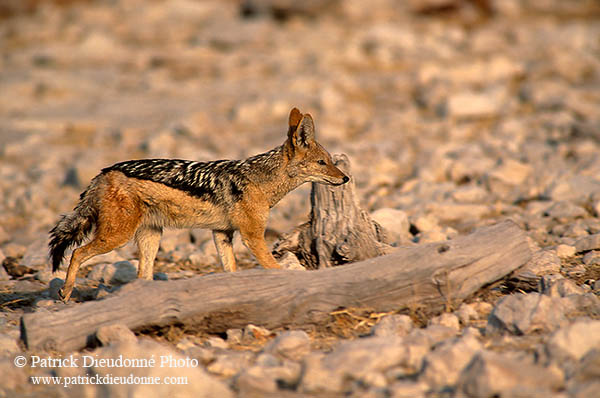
pixel 224 243
pixel 253 236
pixel 117 222
pixel 147 239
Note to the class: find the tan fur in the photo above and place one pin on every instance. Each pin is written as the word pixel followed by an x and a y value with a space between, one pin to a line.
pixel 131 208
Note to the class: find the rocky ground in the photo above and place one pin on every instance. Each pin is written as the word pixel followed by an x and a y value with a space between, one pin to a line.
pixel 453 113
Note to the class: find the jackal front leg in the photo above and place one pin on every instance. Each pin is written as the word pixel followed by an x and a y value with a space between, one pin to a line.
pixel 224 243
pixel 254 239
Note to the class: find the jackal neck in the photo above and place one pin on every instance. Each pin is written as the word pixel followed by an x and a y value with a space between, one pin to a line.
pixel 268 171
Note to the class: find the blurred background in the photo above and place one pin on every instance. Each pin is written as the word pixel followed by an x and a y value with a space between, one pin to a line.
pixel 455 112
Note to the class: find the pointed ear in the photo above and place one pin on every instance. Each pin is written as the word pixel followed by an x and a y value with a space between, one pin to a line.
pixel 305 133
pixel 295 117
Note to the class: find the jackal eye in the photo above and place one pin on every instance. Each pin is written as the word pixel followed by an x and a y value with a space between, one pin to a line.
pixel 321 162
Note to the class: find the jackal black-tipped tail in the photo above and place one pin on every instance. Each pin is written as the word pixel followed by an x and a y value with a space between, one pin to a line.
pixel 71 230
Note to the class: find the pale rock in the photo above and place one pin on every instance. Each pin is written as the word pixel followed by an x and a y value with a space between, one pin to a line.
pixel 466 313
pixel 216 342
pixel 432 334
pixel 575 340
pixel 483 308
pixel 526 313
pixel 36 254
pixel 289 261
pixel 472 104
pixel 588 368
pixel 449 212
pixel 495 375
pixel 98 45
pixel 507 178
pixel 269 377
pixel 426 223
pixel 591 242
pixel 293 345
pixel 230 363
pixel 576 189
pixel 4 236
pixel 443 365
pixel 8 345
pixel 332 372
pixel 119 273
pixel 407 389
pixel 116 333
pixel 592 258
pixel 446 319
pixel 560 287
pixel 432 236
pixel 584 390
pixel 204 355
pixel 394 221
pixel 46 275
pixel 392 326
pixel 198 259
pixel 11 377
pixel 565 251
pixel 256 332
pixel 564 211
pixel 13 249
pixel 470 194
pixel 234 336
pixel 169 363
pixel 172 238
pixel 542 262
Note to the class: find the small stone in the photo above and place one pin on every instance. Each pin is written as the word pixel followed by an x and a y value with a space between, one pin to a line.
pixel 525 313
pixel 490 374
pixel 442 366
pixel 392 325
pixel 466 313
pixel 160 276
pixel 46 275
pixel 8 345
pixel 119 273
pixel 54 286
pixel 216 342
pixel 234 336
pixel 565 251
pixel 230 363
pixel 542 262
pixel 293 345
pixel 592 258
pixel 394 221
pixel 591 242
pixel 446 319
pixel 289 261
pixel 561 288
pixel 116 333
pixel 256 332
pixel 14 250
pixel 470 104
pixel 575 340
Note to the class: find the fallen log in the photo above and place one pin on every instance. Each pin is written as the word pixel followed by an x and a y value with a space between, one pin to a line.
pixel 434 275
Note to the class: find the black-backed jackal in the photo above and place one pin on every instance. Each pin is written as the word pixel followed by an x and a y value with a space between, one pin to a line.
pixel 138 198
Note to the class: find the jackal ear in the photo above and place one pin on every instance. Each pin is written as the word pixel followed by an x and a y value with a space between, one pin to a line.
pixel 305 133
pixel 295 117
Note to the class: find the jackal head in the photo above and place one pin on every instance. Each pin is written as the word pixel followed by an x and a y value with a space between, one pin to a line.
pixel 307 159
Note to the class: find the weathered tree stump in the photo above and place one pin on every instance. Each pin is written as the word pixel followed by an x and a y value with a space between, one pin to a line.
pixel 338 231
pixel 432 275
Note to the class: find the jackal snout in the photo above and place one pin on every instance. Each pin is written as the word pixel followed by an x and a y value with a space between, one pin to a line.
pixel 309 160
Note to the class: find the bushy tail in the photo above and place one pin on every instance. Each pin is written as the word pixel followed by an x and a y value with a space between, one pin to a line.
pixel 71 230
